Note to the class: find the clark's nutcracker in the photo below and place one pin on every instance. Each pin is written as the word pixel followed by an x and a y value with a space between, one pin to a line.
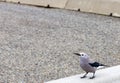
pixel 87 65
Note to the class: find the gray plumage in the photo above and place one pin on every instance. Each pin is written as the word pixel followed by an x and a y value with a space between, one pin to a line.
pixel 87 65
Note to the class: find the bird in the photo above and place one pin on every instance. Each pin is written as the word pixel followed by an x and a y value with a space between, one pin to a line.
pixel 87 65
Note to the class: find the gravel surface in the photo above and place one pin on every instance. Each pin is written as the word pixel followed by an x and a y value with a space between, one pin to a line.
pixel 37 44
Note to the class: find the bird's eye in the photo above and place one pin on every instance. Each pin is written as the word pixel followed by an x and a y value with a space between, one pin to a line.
pixel 81 54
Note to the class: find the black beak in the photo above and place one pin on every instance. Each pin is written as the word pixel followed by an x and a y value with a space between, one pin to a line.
pixel 77 54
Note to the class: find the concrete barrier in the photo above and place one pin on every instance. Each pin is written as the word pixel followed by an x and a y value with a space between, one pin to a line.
pixel 52 3
pixel 108 75
pixel 106 7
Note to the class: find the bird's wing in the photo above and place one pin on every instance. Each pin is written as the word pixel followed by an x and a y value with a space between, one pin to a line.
pixel 96 64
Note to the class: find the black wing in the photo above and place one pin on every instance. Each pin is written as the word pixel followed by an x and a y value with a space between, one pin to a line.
pixel 96 64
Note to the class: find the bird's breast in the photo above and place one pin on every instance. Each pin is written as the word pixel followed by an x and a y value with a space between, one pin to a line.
pixel 86 67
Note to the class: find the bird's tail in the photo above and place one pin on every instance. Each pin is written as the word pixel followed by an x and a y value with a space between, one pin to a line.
pixel 104 65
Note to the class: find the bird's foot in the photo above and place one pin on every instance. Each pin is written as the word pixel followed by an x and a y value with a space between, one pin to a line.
pixel 92 77
pixel 82 77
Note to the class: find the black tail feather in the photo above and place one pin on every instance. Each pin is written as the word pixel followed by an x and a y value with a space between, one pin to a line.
pixel 103 65
pixel 96 64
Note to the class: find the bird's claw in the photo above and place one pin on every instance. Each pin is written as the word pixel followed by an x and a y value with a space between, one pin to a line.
pixel 82 77
pixel 92 77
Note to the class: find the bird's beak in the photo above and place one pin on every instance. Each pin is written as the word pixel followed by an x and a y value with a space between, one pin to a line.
pixel 77 54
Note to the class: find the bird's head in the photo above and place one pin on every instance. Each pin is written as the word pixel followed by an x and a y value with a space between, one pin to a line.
pixel 82 55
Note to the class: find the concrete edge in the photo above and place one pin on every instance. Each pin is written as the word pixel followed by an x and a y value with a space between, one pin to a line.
pixel 107 75
pixel 104 7
pixel 44 3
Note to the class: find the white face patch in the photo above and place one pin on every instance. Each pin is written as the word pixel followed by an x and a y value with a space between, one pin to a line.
pixel 84 55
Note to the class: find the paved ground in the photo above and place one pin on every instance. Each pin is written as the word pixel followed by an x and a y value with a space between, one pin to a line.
pixel 37 44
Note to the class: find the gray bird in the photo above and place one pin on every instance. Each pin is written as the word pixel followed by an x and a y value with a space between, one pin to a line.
pixel 87 65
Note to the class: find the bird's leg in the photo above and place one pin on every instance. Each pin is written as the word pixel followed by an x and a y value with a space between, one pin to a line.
pixel 84 75
pixel 93 76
